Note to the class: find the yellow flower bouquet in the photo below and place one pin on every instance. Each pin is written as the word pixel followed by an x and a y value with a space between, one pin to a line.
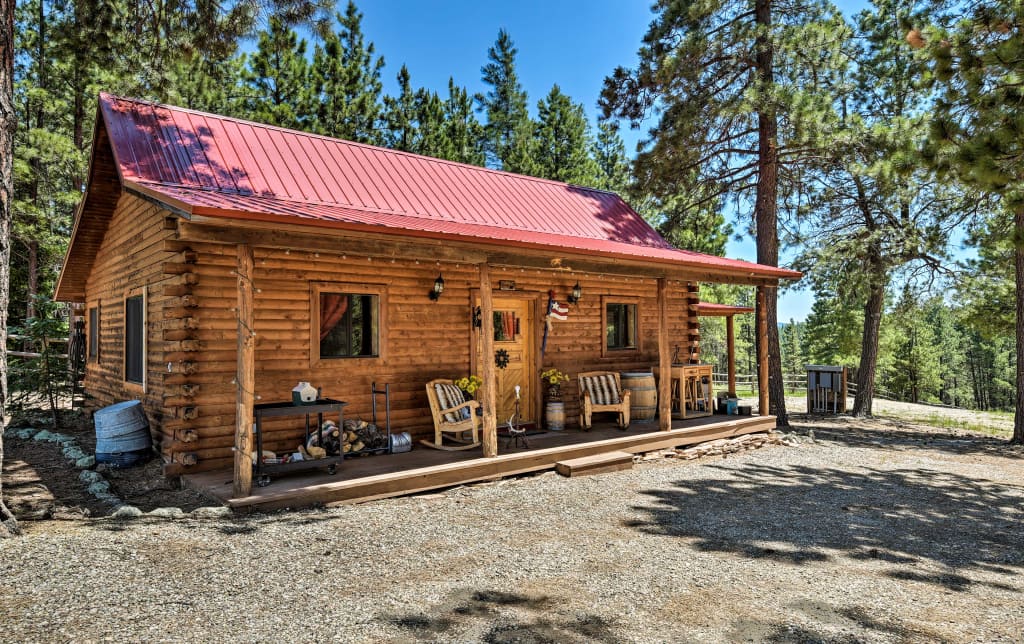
pixel 554 377
pixel 470 384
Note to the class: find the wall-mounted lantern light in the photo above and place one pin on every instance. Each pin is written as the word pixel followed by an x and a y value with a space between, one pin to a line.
pixel 576 294
pixel 435 293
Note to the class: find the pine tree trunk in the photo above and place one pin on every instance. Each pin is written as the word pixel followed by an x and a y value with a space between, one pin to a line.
pixel 1018 256
pixel 8 525
pixel 33 279
pixel 869 347
pixel 766 208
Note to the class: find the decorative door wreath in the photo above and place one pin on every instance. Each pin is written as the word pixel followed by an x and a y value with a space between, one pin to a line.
pixel 501 358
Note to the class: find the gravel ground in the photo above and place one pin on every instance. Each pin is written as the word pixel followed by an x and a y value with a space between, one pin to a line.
pixel 953 417
pixel 873 531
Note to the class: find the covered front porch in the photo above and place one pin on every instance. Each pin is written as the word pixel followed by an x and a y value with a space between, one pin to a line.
pixel 376 477
pixel 422 339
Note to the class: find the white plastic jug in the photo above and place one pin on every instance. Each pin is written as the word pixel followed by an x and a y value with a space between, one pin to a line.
pixel 304 394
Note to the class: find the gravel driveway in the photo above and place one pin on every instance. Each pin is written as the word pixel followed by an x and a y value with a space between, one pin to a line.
pixel 874 532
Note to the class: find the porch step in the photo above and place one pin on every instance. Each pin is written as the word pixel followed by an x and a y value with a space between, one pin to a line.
pixel 597 464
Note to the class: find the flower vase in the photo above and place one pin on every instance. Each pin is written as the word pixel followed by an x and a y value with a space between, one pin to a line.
pixel 554 392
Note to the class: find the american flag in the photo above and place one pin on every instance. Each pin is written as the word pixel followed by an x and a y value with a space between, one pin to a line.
pixel 558 311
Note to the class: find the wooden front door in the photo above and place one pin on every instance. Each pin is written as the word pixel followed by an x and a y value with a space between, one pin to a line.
pixel 514 334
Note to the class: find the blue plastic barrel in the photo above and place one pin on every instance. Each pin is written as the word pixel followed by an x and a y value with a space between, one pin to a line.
pixel 122 434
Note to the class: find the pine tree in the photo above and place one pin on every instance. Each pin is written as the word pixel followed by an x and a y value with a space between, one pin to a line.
pixel 401 129
pixel 520 157
pixel 792 356
pixel 609 152
pixel 277 80
pixel 508 131
pixel 950 341
pixel 699 229
pixel 8 124
pixel 46 163
pixel 463 132
pixel 986 315
pixel 562 141
pixel 210 85
pixel 347 83
pixel 978 135
pixel 830 332
pixel 986 287
pixel 721 76
pixel 873 208
pixel 916 371
pixel 433 131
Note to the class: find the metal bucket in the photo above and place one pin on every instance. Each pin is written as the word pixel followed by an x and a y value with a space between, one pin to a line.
pixel 554 414
pixel 122 434
pixel 401 442
pixel 643 397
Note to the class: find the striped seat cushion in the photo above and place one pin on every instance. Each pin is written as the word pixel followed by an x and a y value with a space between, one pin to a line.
pixel 603 390
pixel 449 396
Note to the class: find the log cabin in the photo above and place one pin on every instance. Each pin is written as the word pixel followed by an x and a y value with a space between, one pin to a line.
pixel 219 262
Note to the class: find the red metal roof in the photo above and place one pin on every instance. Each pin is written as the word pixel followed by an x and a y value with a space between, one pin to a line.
pixel 204 164
pixel 710 309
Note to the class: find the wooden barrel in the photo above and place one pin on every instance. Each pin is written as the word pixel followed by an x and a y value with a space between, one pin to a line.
pixel 643 399
pixel 554 415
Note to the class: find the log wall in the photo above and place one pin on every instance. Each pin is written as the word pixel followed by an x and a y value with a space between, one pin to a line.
pixel 131 260
pixel 192 327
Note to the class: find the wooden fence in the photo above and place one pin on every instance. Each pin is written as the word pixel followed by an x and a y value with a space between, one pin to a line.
pixel 797 382
pixel 32 354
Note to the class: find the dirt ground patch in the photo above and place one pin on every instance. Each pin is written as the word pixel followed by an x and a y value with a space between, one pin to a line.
pixel 40 483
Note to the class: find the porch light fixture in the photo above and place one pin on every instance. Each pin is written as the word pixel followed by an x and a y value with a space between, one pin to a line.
pixel 576 294
pixel 435 293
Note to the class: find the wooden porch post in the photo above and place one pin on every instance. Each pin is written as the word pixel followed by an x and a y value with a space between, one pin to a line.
pixel 245 374
pixel 730 343
pixel 664 360
pixel 762 353
pixel 488 371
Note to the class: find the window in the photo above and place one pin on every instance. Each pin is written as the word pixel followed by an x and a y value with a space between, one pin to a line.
pixel 135 339
pixel 94 333
pixel 347 321
pixel 620 323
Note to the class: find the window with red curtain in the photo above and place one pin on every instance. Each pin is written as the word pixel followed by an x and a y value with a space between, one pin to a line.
pixel 349 325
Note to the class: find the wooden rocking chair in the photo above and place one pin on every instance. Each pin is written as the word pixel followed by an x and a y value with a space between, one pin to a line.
pixel 602 391
pixel 453 416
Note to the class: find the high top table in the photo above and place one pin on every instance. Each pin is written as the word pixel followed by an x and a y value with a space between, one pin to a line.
pixel 690 389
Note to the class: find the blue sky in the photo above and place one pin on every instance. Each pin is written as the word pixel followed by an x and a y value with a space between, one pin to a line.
pixel 574 43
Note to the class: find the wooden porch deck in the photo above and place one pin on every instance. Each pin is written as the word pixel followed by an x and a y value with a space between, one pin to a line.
pixel 377 477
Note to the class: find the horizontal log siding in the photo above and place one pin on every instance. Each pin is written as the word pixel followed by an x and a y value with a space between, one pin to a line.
pixel 131 256
pixel 423 339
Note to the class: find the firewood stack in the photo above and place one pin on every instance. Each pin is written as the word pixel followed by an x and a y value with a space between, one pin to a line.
pixel 332 438
pixel 360 435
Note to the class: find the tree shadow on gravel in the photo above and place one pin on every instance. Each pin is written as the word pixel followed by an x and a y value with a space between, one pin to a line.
pixel 904 435
pixel 798 514
pixel 509 617
pixel 832 624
